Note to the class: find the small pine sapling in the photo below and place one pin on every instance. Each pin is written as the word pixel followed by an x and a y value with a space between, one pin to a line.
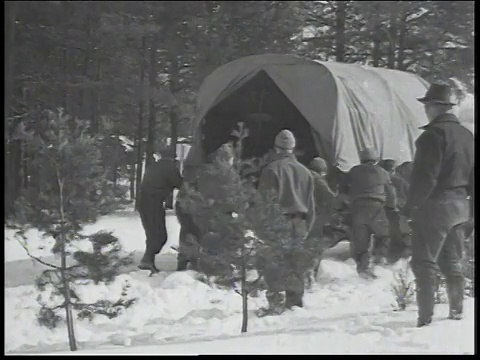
pixel 230 247
pixel 403 288
pixel 441 289
pixel 106 260
pixel 101 265
pixel 66 192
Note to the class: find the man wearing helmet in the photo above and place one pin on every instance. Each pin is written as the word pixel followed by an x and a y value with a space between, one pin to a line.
pixel 370 190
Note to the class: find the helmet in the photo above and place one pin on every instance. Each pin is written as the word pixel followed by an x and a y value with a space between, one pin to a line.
pixel 369 154
pixel 319 165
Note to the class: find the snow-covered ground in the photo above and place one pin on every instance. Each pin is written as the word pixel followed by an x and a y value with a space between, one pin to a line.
pixel 175 313
pixel 179 314
pixel 126 225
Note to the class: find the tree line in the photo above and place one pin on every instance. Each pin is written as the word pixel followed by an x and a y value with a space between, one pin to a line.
pixel 133 68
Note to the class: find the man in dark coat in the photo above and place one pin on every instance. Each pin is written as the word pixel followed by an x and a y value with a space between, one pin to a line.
pixel 292 184
pixel 399 229
pixel 405 171
pixel 370 190
pixel 324 209
pixel 442 180
pixel 158 182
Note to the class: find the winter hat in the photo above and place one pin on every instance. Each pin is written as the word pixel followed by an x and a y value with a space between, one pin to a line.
pixel 439 94
pixel 318 165
pixel 388 164
pixel 369 154
pixel 285 140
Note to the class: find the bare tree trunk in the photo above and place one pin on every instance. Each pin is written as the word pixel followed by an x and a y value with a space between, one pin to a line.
pixel 401 38
pixel 132 177
pixel 10 15
pixel 174 131
pixel 392 37
pixel 24 169
pixel 86 61
pixel 65 281
pixel 96 94
pixel 376 54
pixel 244 291
pixel 173 117
pixel 340 13
pixel 152 109
pixel 65 80
pixel 139 140
pixel 376 36
pixel 65 69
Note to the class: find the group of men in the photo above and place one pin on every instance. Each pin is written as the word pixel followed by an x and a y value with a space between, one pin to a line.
pixel 434 199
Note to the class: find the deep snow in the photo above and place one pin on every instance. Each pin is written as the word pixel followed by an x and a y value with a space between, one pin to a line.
pixel 176 313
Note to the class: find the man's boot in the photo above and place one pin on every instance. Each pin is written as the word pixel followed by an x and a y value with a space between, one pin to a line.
pixel 380 250
pixel 363 267
pixel 276 305
pixel 455 292
pixel 148 262
pixel 293 299
pixel 425 294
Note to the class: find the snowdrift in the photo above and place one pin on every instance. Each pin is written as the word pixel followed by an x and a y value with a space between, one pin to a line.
pixel 343 314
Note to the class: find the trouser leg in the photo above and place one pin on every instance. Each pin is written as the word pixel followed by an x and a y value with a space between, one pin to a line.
pixel 433 224
pixel 361 245
pixel 450 263
pixel 295 280
pixel 298 261
pixel 153 221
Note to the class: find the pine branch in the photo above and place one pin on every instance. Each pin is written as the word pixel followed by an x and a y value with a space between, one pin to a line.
pixel 36 258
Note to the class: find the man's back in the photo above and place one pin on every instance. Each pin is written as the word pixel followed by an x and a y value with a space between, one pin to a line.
pixel 369 181
pixel 161 178
pixel 444 163
pixel 458 157
pixel 292 182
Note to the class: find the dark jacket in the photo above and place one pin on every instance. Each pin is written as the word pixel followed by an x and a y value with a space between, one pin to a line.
pixel 444 162
pixel 160 179
pixel 324 198
pixel 405 171
pixel 369 181
pixel 293 185
pixel 401 189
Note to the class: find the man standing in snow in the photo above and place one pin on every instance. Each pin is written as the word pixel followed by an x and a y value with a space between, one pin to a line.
pixel 370 190
pixel 399 228
pixel 292 184
pixel 160 179
pixel 324 208
pixel 442 180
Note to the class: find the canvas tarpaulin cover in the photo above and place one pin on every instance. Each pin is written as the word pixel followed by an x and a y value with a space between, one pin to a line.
pixel 349 107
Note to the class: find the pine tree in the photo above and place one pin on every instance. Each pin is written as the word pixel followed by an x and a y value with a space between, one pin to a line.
pixel 66 191
pixel 403 288
pixel 243 231
pixel 102 265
